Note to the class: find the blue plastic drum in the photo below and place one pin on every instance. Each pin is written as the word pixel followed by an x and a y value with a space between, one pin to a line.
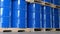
pixel 42 12
pixel 49 1
pixel 55 18
pixel 20 4
pixel 5 22
pixel 19 14
pixel 33 15
pixel 55 2
pixel 19 19
pixel 5 12
pixel 52 16
pixel 5 17
pixel 46 17
pixel 59 18
pixel 5 3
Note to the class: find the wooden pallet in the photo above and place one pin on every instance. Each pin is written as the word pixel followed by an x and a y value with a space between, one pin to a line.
pixel 43 3
pixel 32 1
pixel 14 30
pixel 54 6
pixel 27 29
pixel 43 30
pixel 57 6
pixel 38 1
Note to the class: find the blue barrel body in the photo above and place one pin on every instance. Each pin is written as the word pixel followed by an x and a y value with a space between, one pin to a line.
pixel 5 22
pixel 52 16
pixel 55 18
pixel 59 18
pixel 19 5
pixel 42 12
pixel 49 1
pixel 19 14
pixel 55 2
pixel 5 17
pixel 46 17
pixel 5 3
pixel 33 15
pixel 19 19
pixel 5 13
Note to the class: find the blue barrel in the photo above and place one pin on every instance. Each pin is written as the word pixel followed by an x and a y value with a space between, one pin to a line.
pixel 46 17
pixel 33 15
pixel 49 1
pixel 5 17
pixel 55 18
pixel 19 19
pixel 5 22
pixel 5 12
pixel 59 18
pixel 42 12
pixel 52 16
pixel 55 2
pixel 59 21
pixel 20 4
pixel 5 3
pixel 19 14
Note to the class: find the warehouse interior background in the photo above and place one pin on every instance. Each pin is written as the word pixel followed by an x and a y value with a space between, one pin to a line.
pixel 29 15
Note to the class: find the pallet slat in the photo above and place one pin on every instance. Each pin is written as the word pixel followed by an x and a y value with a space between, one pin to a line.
pixel 27 30
pixel 13 30
pixel 43 29
pixel 43 3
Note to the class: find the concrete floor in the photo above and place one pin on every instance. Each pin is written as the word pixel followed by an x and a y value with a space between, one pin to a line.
pixel 30 33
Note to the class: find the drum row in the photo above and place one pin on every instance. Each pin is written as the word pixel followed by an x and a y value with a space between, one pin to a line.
pixel 20 14
pixel 55 2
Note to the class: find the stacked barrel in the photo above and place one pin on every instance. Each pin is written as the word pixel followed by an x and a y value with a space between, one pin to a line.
pixel 43 16
pixel 5 13
pixel 33 15
pixel 59 18
pixel 55 18
pixel 51 15
pixel 55 14
pixel 19 14
pixel 55 2
pixel 48 1
pixel 47 17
